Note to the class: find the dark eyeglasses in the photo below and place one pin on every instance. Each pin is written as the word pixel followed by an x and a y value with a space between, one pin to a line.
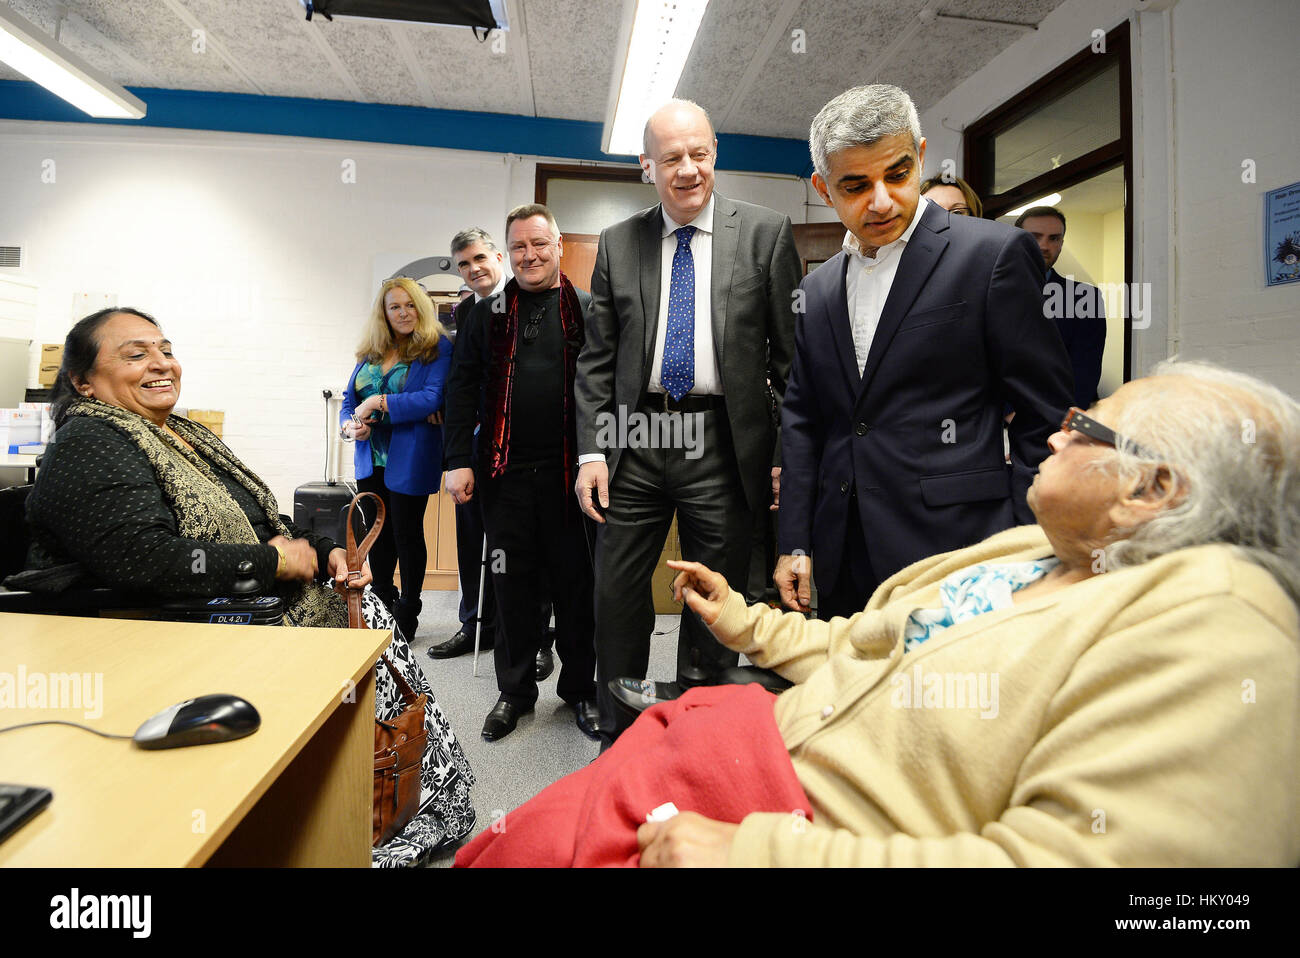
pixel 1077 421
pixel 534 327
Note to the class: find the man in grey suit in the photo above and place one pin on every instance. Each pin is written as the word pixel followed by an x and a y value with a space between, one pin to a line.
pixel 691 319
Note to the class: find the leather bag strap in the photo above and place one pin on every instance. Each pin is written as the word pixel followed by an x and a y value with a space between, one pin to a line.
pixel 408 693
pixel 357 556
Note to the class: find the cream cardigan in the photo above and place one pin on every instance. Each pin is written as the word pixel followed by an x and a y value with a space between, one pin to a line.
pixel 1146 716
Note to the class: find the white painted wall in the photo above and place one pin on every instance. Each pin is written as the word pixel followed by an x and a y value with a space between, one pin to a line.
pixel 255 254
pixel 1235 95
pixel 1212 86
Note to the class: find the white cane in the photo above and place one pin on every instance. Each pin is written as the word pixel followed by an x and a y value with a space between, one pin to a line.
pixel 478 630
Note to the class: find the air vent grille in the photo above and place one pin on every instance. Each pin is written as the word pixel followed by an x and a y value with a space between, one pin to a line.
pixel 11 256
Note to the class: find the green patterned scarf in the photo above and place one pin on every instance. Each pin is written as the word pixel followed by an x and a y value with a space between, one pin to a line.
pixel 203 507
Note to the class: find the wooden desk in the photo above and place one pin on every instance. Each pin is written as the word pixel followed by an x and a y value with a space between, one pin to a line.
pixel 15 461
pixel 296 792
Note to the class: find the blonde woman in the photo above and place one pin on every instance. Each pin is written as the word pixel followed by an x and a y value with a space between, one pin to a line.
pixel 389 408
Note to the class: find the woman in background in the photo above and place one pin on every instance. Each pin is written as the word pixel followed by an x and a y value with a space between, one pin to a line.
pixel 955 197
pixel 391 397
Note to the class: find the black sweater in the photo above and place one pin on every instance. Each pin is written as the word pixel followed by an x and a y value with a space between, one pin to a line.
pixel 97 502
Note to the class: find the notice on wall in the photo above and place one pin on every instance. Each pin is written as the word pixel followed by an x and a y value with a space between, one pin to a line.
pixel 1282 235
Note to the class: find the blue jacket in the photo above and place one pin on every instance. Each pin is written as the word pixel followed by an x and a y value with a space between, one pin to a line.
pixel 415 453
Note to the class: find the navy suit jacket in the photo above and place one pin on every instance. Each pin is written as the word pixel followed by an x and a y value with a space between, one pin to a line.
pixel 1080 315
pixel 919 433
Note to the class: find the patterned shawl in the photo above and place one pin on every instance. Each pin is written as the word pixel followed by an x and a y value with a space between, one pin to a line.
pixel 204 508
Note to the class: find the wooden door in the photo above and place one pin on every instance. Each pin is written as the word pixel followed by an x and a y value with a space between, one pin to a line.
pixel 579 259
pixel 816 243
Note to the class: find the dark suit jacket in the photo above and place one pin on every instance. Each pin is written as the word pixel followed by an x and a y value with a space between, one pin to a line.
pixel 755 269
pixel 1080 314
pixel 470 367
pixel 919 434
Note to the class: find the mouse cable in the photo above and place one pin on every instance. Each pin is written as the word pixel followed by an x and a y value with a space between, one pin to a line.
pixel 10 728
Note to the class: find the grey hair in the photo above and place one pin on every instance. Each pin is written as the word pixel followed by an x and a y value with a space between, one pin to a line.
pixel 1232 443
pixel 675 101
pixel 468 237
pixel 860 117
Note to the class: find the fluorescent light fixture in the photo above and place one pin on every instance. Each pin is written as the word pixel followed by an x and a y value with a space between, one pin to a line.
pixel 1042 201
pixel 38 56
pixel 653 56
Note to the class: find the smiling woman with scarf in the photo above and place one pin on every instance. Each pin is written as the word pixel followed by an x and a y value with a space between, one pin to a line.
pixel 127 496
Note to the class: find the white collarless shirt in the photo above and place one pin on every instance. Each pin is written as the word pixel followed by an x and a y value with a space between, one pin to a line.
pixel 867 282
pixel 708 381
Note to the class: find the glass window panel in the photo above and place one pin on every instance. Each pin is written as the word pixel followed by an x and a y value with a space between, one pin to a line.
pixel 1073 124
pixel 588 206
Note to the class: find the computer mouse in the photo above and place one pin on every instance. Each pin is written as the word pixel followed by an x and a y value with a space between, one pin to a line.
pixel 200 721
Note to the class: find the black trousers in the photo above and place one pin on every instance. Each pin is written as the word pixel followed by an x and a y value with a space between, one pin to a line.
pixel 538 548
pixel 402 539
pixel 716 528
pixel 856 581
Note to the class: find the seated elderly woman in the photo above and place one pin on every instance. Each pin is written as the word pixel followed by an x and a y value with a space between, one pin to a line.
pixel 136 498
pixel 1115 685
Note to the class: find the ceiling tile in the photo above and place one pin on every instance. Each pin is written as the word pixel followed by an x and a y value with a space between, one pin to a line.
pixel 468 74
pixel 270 45
pixel 729 38
pixel 368 54
pixel 571 52
pixel 157 45
pixel 938 59
pixel 794 86
pixel 1015 11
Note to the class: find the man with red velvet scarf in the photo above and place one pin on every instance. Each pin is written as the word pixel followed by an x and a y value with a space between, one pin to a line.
pixel 522 354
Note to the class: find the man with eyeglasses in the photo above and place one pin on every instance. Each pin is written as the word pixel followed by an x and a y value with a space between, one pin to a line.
pixel 515 376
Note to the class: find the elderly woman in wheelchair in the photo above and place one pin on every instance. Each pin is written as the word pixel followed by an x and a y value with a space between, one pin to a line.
pixel 135 498
pixel 1114 685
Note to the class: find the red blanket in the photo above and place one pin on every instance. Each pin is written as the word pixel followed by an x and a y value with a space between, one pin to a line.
pixel 716 751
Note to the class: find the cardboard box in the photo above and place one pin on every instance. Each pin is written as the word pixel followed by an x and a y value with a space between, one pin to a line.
pixel 52 353
pixel 49 373
pixel 662 580
pixel 213 419
pixel 19 427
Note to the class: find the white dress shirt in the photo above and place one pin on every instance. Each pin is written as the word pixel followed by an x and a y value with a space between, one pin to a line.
pixel 867 282
pixel 501 284
pixel 708 381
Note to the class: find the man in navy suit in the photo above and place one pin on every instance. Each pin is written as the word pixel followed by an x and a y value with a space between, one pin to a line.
pixel 908 344
pixel 1078 308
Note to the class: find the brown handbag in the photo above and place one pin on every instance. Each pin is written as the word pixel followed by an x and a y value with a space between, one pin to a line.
pixel 399 742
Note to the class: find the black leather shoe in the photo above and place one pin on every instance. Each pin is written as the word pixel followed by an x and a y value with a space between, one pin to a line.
pixel 588 717
pixel 458 644
pixel 501 721
pixel 639 694
pixel 545 663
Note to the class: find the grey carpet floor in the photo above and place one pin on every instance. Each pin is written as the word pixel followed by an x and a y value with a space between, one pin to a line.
pixel 546 746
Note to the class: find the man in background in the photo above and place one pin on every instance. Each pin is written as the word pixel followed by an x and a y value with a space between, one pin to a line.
pixel 482 267
pixel 1078 308
pixel 514 375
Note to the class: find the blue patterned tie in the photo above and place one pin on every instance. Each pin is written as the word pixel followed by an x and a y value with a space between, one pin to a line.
pixel 678 374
